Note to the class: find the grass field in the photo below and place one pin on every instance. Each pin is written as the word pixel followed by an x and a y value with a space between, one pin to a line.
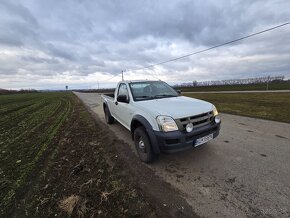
pixel 270 106
pixel 55 160
pixel 28 124
pixel 262 86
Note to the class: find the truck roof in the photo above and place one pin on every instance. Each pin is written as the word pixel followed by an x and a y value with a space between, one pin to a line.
pixel 136 81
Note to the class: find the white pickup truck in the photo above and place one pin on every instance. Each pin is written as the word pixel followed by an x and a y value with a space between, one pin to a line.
pixel 159 118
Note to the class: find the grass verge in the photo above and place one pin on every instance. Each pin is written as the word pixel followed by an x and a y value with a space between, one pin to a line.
pixel 270 106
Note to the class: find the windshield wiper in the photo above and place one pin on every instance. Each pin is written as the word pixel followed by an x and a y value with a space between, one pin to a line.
pixel 164 95
pixel 145 96
pixel 154 97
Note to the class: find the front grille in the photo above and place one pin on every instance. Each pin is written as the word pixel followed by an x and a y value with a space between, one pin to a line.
pixel 197 120
pixel 190 138
pixel 171 141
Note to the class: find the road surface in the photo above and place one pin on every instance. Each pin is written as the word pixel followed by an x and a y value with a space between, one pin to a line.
pixel 244 172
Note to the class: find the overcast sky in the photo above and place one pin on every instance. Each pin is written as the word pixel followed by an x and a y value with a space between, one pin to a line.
pixel 47 44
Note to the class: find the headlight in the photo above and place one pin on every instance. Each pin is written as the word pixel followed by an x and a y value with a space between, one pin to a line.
pixel 215 112
pixel 189 127
pixel 217 119
pixel 166 123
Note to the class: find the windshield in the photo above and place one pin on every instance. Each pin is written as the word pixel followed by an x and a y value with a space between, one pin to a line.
pixel 151 90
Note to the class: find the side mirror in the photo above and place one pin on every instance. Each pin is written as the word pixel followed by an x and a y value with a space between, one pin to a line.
pixel 122 98
pixel 179 92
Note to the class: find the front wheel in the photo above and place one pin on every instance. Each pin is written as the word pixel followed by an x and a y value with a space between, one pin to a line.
pixel 108 116
pixel 143 145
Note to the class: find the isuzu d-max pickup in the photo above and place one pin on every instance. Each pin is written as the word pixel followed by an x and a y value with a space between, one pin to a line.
pixel 159 118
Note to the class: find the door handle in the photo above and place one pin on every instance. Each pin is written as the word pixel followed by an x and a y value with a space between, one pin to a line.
pixel 116 103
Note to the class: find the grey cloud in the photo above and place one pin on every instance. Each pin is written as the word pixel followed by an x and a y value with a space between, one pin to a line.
pixel 17 24
pixel 60 51
pixel 80 38
pixel 5 39
pixel 34 59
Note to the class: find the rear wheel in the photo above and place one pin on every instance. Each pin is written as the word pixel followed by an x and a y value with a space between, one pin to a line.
pixel 108 116
pixel 143 145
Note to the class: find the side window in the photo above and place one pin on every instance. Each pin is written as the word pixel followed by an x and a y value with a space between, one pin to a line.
pixel 123 90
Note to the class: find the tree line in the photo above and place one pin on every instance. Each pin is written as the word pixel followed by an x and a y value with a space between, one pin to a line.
pixel 267 79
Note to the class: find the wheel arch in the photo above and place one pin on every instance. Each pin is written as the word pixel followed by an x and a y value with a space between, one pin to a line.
pixel 109 118
pixel 105 106
pixel 138 121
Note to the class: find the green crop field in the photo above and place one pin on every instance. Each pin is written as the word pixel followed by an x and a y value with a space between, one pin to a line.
pixel 28 124
pixel 270 106
pixel 54 156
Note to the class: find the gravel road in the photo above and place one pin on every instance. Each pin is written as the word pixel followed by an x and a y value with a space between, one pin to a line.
pixel 244 172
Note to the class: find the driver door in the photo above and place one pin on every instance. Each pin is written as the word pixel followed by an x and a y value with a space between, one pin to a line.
pixel 123 110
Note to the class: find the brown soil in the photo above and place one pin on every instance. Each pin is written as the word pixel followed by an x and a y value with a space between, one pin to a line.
pixel 92 174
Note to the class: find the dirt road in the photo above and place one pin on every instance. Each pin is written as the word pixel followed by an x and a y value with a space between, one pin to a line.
pixel 244 172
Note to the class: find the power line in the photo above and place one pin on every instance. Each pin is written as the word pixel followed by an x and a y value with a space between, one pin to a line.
pixel 122 72
pixel 109 78
pixel 103 81
pixel 154 74
pixel 210 48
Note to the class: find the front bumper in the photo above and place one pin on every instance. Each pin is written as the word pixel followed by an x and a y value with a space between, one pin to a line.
pixel 179 141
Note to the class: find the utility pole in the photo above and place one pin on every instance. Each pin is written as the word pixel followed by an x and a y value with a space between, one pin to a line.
pixel 268 82
pixel 122 75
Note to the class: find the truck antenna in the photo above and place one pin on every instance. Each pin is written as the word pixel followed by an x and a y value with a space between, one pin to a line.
pixel 122 75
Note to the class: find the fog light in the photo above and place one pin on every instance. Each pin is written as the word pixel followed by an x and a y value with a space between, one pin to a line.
pixel 217 119
pixel 189 127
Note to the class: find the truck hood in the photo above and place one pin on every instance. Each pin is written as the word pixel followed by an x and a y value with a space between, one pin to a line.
pixel 176 107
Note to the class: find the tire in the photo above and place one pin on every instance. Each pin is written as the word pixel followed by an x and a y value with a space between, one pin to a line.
pixel 143 145
pixel 108 116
